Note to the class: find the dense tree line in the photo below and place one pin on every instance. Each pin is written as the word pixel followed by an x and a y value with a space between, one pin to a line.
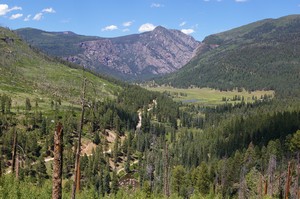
pixel 256 56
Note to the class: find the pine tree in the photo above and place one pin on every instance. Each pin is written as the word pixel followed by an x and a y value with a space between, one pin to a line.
pixel 114 183
pixel 178 180
pixel 27 104
pixel 203 181
pixel 96 139
pixel 107 180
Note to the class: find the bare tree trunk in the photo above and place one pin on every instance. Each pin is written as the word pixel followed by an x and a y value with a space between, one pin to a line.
pixel 78 177
pixel 76 184
pixel 271 171
pixel 166 172
pixel 57 163
pixel 242 188
pixel 280 186
pixel 288 181
pixel 259 188
pixel 17 166
pixel 266 187
pixel 297 178
pixel 14 150
pixel 1 161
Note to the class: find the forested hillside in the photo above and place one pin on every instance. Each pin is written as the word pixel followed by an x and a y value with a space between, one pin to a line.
pixel 100 138
pixel 261 55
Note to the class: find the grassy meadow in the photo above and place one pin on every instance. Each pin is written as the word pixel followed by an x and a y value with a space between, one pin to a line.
pixel 210 97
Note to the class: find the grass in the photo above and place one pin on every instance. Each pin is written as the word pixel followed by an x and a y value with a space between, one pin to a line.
pixel 27 74
pixel 208 96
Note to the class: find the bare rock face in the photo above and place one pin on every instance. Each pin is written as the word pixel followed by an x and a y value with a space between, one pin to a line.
pixel 152 53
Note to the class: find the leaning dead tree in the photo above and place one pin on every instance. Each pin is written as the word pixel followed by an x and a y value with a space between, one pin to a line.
pixel 57 162
pixel 288 181
pixel 76 184
pixel 166 171
pixel 14 151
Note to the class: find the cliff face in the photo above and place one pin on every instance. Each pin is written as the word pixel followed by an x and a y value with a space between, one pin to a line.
pixel 135 56
pixel 152 53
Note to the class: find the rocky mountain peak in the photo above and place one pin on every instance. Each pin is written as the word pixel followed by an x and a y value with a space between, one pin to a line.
pixel 135 56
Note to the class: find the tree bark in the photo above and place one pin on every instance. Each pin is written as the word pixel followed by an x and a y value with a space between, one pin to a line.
pixel 288 181
pixel 297 177
pixel 76 184
pixel 266 187
pixel 14 150
pixel 166 172
pixel 17 166
pixel 57 163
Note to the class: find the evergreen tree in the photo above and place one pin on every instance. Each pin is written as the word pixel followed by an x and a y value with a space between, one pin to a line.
pixel 96 139
pixel 178 180
pixel 107 180
pixel 114 182
pixel 203 181
pixel 27 104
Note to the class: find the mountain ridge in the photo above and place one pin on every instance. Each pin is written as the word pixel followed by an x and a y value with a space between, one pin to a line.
pixel 134 56
pixel 260 55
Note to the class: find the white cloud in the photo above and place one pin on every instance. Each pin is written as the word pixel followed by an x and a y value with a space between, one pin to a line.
pixel 182 23
pixel 127 23
pixel 125 30
pixel 38 16
pixel 146 27
pixel 156 5
pixel 4 9
pixel 27 18
pixel 15 16
pixel 240 1
pixel 110 28
pixel 49 10
pixel 188 31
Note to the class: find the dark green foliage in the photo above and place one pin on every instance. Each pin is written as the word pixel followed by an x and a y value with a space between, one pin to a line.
pixel 106 181
pixel 178 180
pixel 49 41
pixel 262 55
pixel 114 183
pixel 214 152
pixel 97 138
pixel 27 104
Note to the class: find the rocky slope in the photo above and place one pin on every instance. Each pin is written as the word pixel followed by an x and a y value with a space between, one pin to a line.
pixel 136 56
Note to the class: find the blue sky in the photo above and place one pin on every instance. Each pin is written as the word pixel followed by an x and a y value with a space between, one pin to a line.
pixel 111 18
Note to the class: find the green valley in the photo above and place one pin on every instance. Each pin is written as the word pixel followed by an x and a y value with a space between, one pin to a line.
pixel 226 125
pixel 211 97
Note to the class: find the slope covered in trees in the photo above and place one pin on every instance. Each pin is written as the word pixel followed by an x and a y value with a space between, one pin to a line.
pixel 231 150
pixel 261 55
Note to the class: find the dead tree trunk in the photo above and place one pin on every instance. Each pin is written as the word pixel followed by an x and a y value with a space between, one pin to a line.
pixel 297 178
pixel 1 161
pixel 259 188
pixel 266 187
pixel 166 172
pixel 288 181
pixel 14 150
pixel 17 166
pixel 76 184
pixel 57 163
pixel 271 172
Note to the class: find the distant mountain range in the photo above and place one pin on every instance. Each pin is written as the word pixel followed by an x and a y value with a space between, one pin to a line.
pixel 261 55
pixel 137 56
